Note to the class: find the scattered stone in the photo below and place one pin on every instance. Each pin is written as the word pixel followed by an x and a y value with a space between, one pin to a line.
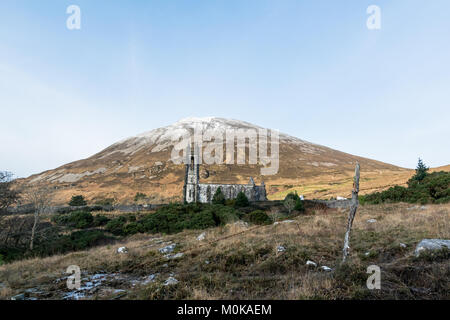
pixel 302 197
pixel 340 198
pixel 367 253
pixel 122 250
pixel 284 221
pixel 150 278
pixel 170 281
pixel 423 208
pixel 202 236
pixel 174 256
pixel 402 245
pixel 207 262
pixel 311 263
pixel 372 220
pixel 241 224
pixel 20 296
pixel 281 249
pixel 431 244
pixel 165 265
pixel 168 249
pixel 325 268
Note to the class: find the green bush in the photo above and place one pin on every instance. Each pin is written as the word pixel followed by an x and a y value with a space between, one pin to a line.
pixel 219 197
pixel 241 200
pixel 132 228
pixel 174 218
pixel 78 240
pixel 139 196
pixel 258 217
pixel 100 220
pixel 79 219
pixel 105 202
pixel 433 188
pixel 77 201
pixel 293 202
pixel 116 226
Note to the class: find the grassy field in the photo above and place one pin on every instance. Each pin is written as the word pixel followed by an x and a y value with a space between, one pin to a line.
pixel 238 261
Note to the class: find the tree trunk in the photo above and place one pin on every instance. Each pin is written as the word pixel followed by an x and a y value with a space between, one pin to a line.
pixel 352 213
pixel 33 230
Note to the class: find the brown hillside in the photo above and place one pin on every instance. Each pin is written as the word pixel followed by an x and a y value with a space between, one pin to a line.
pixel 142 164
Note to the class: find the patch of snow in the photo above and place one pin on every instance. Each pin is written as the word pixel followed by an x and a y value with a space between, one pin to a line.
pixel 170 281
pixel 311 263
pixel 168 249
pixel 325 268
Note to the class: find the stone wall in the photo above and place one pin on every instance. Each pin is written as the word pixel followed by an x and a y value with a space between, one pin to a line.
pixel 254 193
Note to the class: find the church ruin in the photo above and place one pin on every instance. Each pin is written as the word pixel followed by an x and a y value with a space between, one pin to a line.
pixel 194 191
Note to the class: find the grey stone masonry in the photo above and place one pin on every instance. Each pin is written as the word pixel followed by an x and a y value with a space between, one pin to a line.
pixel 194 191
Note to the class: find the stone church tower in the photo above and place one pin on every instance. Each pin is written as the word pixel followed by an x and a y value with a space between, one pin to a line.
pixel 192 176
pixel 194 191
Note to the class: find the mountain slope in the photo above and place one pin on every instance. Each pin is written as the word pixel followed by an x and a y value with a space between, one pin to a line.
pixel 142 164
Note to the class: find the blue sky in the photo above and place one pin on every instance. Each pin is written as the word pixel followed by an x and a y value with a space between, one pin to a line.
pixel 311 69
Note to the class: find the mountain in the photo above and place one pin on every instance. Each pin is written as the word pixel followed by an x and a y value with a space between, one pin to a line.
pixel 143 164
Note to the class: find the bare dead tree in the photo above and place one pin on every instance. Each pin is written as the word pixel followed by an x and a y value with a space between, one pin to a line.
pixel 41 199
pixel 8 196
pixel 352 213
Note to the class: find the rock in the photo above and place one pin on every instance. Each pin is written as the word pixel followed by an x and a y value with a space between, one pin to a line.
pixel 170 281
pixel 340 198
pixel 325 268
pixel 311 263
pixel 122 250
pixel 431 244
pixel 423 208
pixel 302 197
pixel 371 220
pixel 284 221
pixel 165 265
pixel 281 249
pixel 168 249
pixel 174 256
pixel 150 278
pixel 202 236
pixel 20 296
pixel 241 224
pixel 402 245
pixel 367 253
pixel 207 262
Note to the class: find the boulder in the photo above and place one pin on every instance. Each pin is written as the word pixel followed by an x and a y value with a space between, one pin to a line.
pixel 170 281
pixel 202 236
pixel 168 249
pixel 122 250
pixel 20 296
pixel 431 244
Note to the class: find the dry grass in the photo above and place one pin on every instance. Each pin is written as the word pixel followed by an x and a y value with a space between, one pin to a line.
pixel 244 262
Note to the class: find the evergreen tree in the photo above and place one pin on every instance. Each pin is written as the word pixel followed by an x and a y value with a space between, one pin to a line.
pixel 219 197
pixel 241 200
pixel 421 171
pixel 77 201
